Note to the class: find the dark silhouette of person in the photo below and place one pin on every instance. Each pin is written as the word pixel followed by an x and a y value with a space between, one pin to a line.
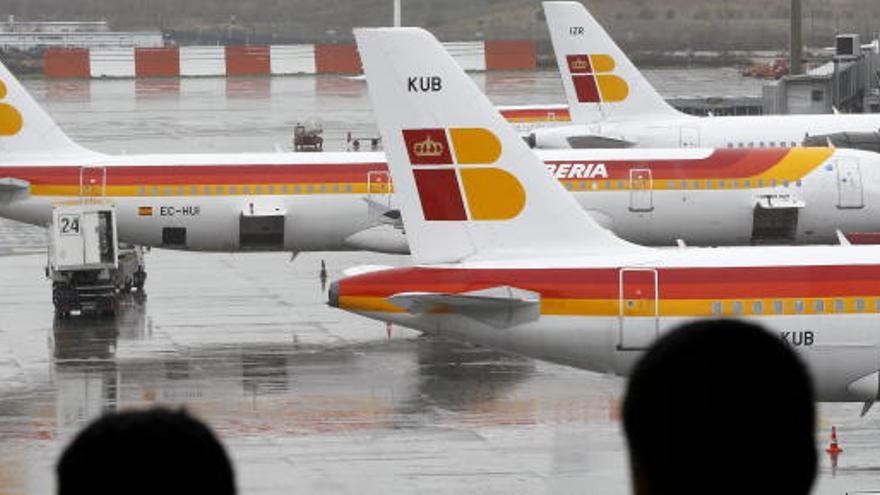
pixel 155 451
pixel 720 407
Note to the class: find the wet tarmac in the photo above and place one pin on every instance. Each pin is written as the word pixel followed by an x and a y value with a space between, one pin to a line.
pixel 307 398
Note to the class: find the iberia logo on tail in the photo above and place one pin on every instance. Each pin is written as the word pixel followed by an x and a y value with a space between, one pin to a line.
pixel 456 182
pixel 593 79
pixel 10 118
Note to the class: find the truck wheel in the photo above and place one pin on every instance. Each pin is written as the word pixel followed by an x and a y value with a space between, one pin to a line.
pixel 140 278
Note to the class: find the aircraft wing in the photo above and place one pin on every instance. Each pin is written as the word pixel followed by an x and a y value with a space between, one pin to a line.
pixel 598 141
pixel 499 307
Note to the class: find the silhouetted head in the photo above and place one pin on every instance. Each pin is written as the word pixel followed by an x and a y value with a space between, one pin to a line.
pixel 720 407
pixel 145 452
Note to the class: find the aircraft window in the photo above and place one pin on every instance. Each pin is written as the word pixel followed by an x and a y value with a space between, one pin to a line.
pixel 142 190
pixel 720 184
pixel 778 307
pixel 860 305
pixel 737 307
pixel 819 306
pixel 323 187
pixel 730 145
pixel 799 183
pixel 798 306
pixel 219 190
pixel 736 184
pixel 193 190
pixel 683 184
pixel 167 191
pixel 877 304
pixel 284 189
pixel 671 184
pixel 760 182
pixel 716 308
pixel 785 183
pixel 296 188
pixel 309 188
pixel 708 184
pixel 839 306
pixel 772 182
pixel 271 188
pixel 246 189
pixel 154 191
pixel 348 187
pixel 772 144
pixel 751 144
pixel 747 183
pixel 793 144
pixel 258 189
pixel 762 144
pixel 206 190
pixel 695 184
pixel 335 187
pixel 742 145
pixel 233 190
pixel 620 184
pixel 568 186
pixel 757 307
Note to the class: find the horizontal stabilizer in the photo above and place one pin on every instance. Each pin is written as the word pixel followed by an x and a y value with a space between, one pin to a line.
pixel 499 307
pixel 11 184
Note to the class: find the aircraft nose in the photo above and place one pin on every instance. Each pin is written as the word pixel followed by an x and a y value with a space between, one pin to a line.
pixel 333 295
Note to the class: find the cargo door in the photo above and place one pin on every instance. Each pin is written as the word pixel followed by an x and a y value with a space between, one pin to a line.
pixel 639 308
pixel 850 193
pixel 641 190
pixel 261 225
pixel 689 137
pixel 92 181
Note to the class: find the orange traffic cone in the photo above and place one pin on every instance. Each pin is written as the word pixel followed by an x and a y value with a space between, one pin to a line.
pixel 833 447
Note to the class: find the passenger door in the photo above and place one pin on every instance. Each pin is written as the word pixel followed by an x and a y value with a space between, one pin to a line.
pixel 850 192
pixel 639 308
pixel 92 181
pixel 641 190
pixel 379 187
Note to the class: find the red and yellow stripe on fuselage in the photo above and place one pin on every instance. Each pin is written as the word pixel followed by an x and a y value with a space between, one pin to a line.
pixel 681 292
pixel 205 180
pixel 722 169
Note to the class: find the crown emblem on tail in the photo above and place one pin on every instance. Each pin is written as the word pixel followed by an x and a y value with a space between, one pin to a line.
pixel 428 148
pixel 579 64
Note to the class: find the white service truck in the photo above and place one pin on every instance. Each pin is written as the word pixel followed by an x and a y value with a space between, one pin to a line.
pixel 88 268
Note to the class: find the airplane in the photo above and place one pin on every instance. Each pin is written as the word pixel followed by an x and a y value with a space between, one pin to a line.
pixel 502 259
pixel 613 105
pixel 344 201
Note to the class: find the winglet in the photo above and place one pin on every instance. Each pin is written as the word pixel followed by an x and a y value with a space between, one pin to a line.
pixel 26 129
pixel 600 81
pixel 468 186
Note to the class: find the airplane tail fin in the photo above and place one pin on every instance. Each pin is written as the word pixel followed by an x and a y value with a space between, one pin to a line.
pixel 26 129
pixel 468 186
pixel 600 81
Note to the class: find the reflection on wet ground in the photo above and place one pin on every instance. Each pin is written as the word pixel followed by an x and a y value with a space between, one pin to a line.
pixel 314 399
pixel 304 396
pixel 308 398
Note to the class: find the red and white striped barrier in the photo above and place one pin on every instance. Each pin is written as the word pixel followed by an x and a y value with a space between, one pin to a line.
pixel 194 61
